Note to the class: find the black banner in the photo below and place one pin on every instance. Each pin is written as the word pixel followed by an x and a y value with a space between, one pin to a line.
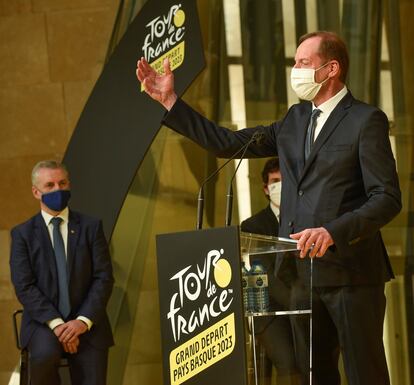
pixel 202 321
pixel 120 121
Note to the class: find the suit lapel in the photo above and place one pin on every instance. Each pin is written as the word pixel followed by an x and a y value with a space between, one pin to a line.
pixel 303 126
pixel 42 235
pixel 272 219
pixel 73 237
pixel 329 127
pixel 293 140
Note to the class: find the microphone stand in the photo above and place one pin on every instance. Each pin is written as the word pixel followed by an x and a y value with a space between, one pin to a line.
pixel 256 137
pixel 229 196
pixel 200 198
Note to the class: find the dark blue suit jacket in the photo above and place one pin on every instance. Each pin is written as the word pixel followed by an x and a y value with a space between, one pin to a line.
pixel 34 275
pixel 349 183
pixel 264 222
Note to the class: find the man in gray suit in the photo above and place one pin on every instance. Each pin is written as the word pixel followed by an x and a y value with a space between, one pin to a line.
pixel 340 186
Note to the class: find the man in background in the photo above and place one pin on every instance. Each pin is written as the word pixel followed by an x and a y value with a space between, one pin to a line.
pixel 273 333
pixel 62 274
pixel 266 221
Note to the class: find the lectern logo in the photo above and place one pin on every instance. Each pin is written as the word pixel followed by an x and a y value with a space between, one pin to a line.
pixel 198 290
pixel 165 38
pixel 203 294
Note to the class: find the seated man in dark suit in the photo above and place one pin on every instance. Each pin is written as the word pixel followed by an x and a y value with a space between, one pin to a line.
pixel 274 333
pixel 62 274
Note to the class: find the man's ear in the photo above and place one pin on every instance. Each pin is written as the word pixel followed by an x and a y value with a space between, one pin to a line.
pixel 334 69
pixel 36 193
pixel 265 189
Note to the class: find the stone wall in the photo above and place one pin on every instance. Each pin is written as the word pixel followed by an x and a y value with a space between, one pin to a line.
pixel 51 53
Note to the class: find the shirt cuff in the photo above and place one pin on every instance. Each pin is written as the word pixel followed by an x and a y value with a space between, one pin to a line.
pixel 55 322
pixel 88 322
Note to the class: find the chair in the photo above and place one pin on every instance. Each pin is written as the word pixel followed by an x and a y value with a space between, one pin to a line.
pixel 24 356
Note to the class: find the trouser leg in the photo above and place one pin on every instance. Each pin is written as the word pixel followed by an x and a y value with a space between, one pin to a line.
pixel 358 312
pixel 89 365
pixel 45 352
pixel 325 345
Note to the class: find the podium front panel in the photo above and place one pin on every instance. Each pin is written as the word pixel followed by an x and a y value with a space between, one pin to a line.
pixel 202 318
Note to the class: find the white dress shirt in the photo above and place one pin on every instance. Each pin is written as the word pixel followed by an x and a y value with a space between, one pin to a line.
pixel 326 108
pixel 63 226
pixel 276 211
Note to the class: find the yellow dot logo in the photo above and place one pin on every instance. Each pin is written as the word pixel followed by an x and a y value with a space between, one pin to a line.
pixel 222 273
pixel 179 18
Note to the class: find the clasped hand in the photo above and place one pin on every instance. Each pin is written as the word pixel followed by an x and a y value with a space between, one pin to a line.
pixel 68 334
pixel 315 241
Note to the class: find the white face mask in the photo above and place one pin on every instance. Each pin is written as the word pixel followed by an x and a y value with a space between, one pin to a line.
pixel 302 81
pixel 275 190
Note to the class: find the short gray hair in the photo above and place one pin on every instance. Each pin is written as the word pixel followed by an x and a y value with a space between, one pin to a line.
pixel 51 164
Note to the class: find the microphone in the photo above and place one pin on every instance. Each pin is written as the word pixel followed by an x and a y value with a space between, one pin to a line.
pixel 256 137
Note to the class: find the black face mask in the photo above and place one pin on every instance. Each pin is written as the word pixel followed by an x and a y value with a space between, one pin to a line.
pixel 56 200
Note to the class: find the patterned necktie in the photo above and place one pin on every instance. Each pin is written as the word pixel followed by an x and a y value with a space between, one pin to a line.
pixel 310 133
pixel 59 247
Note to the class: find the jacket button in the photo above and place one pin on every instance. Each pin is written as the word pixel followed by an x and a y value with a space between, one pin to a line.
pixel 300 192
pixel 290 223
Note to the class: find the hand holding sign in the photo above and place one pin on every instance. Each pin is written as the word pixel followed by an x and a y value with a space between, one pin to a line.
pixel 159 86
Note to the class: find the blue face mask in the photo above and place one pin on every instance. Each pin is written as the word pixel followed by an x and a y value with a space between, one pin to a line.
pixel 56 200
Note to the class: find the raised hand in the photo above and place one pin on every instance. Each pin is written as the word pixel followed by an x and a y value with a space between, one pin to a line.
pixel 159 87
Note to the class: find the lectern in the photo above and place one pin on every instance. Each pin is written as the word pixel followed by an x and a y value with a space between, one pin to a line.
pixel 290 305
pixel 203 320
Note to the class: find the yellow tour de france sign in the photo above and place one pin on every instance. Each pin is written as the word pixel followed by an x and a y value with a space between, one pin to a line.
pixel 176 57
pixel 176 53
pixel 203 350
